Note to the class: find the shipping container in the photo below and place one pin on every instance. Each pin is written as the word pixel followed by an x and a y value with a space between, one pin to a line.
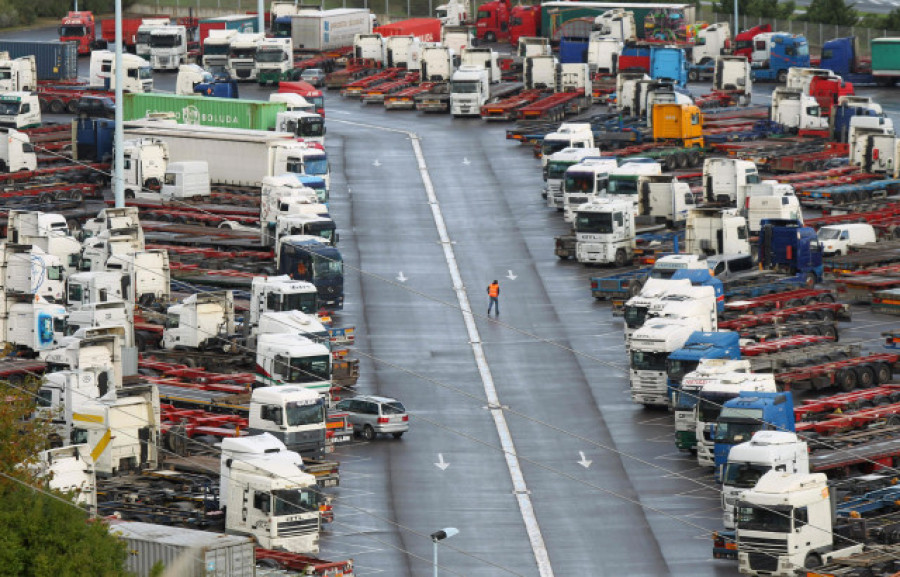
pixel 554 14
pixel 55 60
pixel 205 110
pixel 425 29
pixel 886 56
pixel 328 29
pixel 186 552
pixel 243 23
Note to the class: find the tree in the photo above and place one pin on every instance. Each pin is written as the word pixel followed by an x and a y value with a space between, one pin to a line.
pixel 764 8
pixel 835 12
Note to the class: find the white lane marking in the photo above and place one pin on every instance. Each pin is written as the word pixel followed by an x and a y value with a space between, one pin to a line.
pixel 520 490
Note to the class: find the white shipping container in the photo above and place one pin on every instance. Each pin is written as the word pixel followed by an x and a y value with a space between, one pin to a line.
pixel 329 29
pixel 186 552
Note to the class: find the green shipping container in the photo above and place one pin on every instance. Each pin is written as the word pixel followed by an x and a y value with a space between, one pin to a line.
pixel 205 111
pixel 886 56
pixel 554 14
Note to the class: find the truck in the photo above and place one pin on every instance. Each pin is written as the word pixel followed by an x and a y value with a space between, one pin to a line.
pixel 425 29
pixel 587 179
pixel 555 171
pixel 168 47
pixel 242 56
pixel 492 21
pixel 142 40
pixel 796 110
pixel 787 246
pixel 713 231
pixel 138 73
pixel 885 67
pixel 48 232
pixel 192 79
pixel 54 61
pixel 20 110
pixel 312 259
pixel 130 27
pixel 238 23
pixel 275 61
pixel 649 18
pixel 470 88
pixel 605 231
pixel 216 47
pixel 314 31
pixel 566 135
pixel 453 13
pixel 801 510
pixel 670 64
pixel 602 54
pixel 18 74
pixel 80 28
pixel 774 53
pixel 306 126
pixel 748 461
pixel 725 179
pixel 743 40
pixel 16 152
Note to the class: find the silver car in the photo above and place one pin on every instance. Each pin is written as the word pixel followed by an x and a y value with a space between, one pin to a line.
pixel 371 415
pixel 315 76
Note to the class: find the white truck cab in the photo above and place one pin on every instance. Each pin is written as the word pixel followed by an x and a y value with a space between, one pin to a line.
pixel 470 88
pixel 793 108
pixel 20 110
pixel 568 135
pixel 168 47
pixel 584 181
pixel 605 232
pixel 142 38
pixel 216 47
pixel 138 72
pixel 308 126
pixel 242 56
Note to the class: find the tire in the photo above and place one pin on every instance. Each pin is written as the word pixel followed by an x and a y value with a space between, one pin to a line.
pixel 812 561
pixel 810 279
pixel 826 298
pixel 620 258
pixel 76 196
pixel 693 76
pixel 883 373
pixel 129 195
pixel 845 380
pixel 56 106
pixel 782 77
pixel 368 433
pixel 830 331
pixel 72 106
pixel 865 376
pixel 490 37
pixel 397 435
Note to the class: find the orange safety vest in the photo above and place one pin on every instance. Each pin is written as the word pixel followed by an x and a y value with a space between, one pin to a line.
pixel 494 290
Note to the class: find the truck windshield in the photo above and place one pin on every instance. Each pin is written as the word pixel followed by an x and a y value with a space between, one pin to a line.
pixel 579 182
pixel 295 501
pixel 299 414
pixel 465 87
pixel 635 316
pixel 72 31
pixel 9 108
pixel 316 165
pixel 215 49
pixel 743 44
pixel 483 15
pixel 145 73
pixel 557 168
pixel 282 28
pixel 323 229
pixel 549 147
pixel 685 400
pixel 743 475
pixel 246 53
pixel 270 55
pixel 303 302
pixel 647 361
pixel 165 40
pixel 732 432
pixel 325 267
pixel 305 369
pixel 594 222
pixel 803 50
pixel 677 369
pixel 75 293
pixel 711 405
pixel 5 74
pixel 627 185
pixel 771 518
pixel 143 37
pixel 312 127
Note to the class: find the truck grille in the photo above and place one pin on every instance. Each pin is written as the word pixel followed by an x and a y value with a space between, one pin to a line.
pixel 763 561
pixel 301 527
pixel 775 546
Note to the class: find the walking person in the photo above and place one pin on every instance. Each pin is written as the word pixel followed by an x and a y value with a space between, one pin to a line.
pixel 493 291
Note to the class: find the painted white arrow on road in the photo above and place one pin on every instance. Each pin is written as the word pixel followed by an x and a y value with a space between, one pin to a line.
pixel 584 462
pixel 376 163
pixel 401 278
pixel 441 464
pixel 510 275
pixel 466 161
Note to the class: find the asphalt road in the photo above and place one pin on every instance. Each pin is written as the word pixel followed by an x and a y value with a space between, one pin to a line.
pixel 602 489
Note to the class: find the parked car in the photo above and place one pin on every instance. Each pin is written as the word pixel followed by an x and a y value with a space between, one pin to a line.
pixel 315 76
pixel 96 107
pixel 371 415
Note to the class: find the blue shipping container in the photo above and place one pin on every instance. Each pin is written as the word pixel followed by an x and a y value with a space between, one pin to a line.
pixel 54 60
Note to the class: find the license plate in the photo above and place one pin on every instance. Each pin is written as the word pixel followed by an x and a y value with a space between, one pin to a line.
pixel 329 483
pixel 342 439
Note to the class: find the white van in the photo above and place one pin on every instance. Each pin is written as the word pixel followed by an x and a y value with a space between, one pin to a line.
pixel 838 239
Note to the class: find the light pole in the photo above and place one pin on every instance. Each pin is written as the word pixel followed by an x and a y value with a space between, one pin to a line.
pixel 736 29
pixel 119 132
pixel 440 536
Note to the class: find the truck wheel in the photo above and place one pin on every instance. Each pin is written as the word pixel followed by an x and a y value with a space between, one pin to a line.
pixel 846 380
pixel 490 37
pixel 56 106
pixel 72 106
pixel 368 433
pixel 865 376
pixel 129 195
pixel 810 279
pixel 883 373
pixel 812 561
pixel 620 258
pixel 693 76
pixel 782 76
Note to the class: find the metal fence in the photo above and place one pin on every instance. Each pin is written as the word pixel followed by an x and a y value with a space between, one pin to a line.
pixel 815 33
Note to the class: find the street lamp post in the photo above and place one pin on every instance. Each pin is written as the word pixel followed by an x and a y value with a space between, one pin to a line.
pixel 736 29
pixel 445 533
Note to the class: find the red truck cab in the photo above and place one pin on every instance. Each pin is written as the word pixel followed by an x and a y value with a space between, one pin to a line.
pixel 79 27
pixel 743 42
pixel 307 91
pixel 827 92
pixel 492 21
pixel 524 21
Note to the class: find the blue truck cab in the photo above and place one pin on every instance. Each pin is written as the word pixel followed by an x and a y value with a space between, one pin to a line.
pixel 775 53
pixel 669 63
pixel 311 259
pixel 699 346
pixel 841 56
pixel 217 88
pixel 789 247
pixel 746 414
